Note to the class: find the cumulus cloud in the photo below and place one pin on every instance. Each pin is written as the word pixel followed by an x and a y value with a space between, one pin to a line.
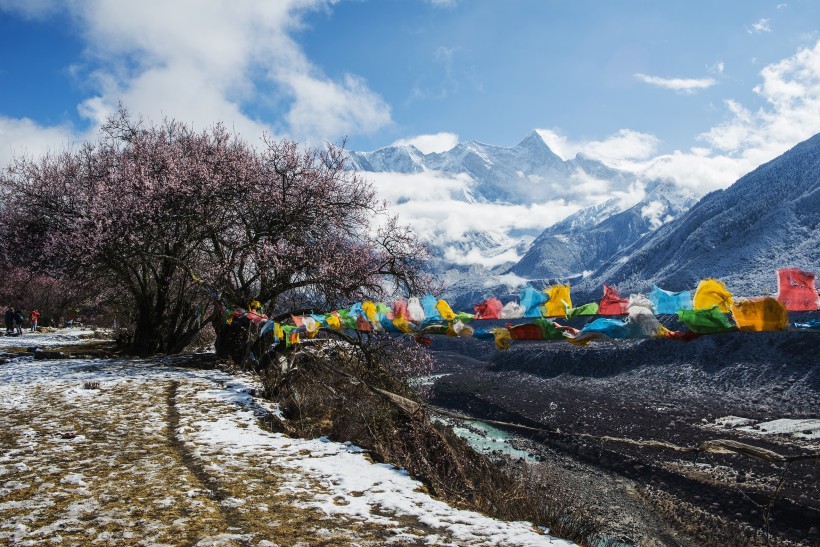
pixel 623 145
pixel 23 137
pixel 744 140
pixel 206 62
pixel 747 138
pixel 681 85
pixel 437 142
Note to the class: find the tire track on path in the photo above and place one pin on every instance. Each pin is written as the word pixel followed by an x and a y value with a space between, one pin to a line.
pixel 233 519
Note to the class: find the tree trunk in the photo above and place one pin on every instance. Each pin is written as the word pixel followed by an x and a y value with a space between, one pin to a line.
pixel 231 340
pixel 146 338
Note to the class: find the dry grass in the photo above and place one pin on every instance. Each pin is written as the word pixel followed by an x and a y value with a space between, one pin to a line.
pixel 318 401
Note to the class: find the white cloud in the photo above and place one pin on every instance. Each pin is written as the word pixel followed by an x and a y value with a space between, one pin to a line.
pixel 23 137
pixel 437 207
pixel 203 62
pixel 681 85
pixel 437 142
pixel 718 68
pixel 760 26
pixel 745 140
pixel 473 255
pixel 623 145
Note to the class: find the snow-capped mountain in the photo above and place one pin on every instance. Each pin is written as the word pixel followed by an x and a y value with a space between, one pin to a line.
pixel 522 174
pixel 480 206
pixel 584 241
pixel 769 218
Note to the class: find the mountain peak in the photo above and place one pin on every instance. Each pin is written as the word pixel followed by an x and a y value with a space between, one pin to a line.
pixel 533 139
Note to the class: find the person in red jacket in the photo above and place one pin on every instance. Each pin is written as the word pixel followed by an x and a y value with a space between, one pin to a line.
pixel 35 315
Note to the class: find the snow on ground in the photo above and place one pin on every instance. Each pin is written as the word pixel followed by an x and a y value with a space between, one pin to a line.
pixel 165 455
pixel 805 428
pixel 60 337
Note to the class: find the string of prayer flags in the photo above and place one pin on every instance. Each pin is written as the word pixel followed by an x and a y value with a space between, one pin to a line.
pixel 712 292
pixel 665 302
pixel 559 301
pixel 704 312
pixel 612 303
pixel 760 314
pixel 796 289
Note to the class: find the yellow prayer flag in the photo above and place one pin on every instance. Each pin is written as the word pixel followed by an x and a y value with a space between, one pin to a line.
pixel 710 293
pixel 502 338
pixel 402 324
pixel 444 310
pixel 558 303
pixel 369 309
pixel 760 314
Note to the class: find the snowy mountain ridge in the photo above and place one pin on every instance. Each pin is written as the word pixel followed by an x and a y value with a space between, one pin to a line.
pixel 769 218
pixel 501 216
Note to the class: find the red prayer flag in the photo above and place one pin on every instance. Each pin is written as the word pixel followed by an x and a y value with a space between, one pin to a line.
pixel 612 303
pixel 796 289
pixel 400 309
pixel 489 309
pixel 525 332
pixel 362 324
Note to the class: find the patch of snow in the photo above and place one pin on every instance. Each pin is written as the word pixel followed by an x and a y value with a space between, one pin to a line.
pixel 808 428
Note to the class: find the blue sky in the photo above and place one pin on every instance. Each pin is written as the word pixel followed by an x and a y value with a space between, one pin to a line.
pixel 699 92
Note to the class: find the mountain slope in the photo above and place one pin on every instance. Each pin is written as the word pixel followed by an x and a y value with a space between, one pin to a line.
pixel 769 218
pixel 583 242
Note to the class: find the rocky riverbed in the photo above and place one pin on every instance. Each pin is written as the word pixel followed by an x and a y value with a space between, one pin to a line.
pixel 761 389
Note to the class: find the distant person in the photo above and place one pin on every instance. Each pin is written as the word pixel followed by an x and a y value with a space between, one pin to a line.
pixel 9 321
pixel 19 319
pixel 35 316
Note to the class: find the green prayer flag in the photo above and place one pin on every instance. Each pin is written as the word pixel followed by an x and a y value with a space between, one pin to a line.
pixel 586 309
pixel 706 321
pixel 548 329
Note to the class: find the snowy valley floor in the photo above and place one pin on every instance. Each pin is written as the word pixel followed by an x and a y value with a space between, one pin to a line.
pixel 114 452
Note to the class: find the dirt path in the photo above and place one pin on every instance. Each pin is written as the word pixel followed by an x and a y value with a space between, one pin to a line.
pixel 137 452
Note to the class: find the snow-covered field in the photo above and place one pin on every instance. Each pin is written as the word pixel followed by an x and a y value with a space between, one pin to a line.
pixel 141 452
